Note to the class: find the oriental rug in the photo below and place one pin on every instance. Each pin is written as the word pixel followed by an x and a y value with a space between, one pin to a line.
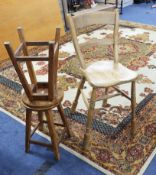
pixel 39 161
pixel 111 149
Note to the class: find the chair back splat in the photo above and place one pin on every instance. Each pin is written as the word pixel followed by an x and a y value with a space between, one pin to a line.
pixel 40 97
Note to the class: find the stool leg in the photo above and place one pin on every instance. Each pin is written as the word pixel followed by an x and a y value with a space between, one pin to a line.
pixel 52 133
pixel 28 130
pixel 61 111
pixel 40 118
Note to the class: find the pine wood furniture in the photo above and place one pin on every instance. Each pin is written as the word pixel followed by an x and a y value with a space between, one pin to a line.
pixel 41 97
pixel 101 74
pixel 98 7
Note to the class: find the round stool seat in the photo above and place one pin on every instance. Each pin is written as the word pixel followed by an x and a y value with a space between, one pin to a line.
pixel 43 105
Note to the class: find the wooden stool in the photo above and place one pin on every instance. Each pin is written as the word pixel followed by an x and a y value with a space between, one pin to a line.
pixel 41 97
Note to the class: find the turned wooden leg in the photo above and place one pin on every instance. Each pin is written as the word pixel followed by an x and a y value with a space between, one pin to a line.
pixel 28 130
pixel 53 134
pixel 89 120
pixel 133 105
pixel 105 100
pixel 74 105
pixel 61 111
pixel 40 118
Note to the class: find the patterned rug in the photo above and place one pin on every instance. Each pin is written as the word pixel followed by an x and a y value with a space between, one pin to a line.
pixel 110 148
pixel 136 52
pixel 120 154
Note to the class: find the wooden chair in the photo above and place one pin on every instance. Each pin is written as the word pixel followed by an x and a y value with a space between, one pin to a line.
pixel 41 97
pixel 101 74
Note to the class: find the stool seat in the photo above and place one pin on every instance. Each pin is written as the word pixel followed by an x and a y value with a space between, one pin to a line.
pixel 39 105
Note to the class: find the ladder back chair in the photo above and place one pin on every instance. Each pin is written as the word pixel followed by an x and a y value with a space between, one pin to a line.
pixel 101 74
pixel 41 97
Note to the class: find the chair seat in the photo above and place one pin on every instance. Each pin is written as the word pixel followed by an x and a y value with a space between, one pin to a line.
pixel 103 74
pixel 43 105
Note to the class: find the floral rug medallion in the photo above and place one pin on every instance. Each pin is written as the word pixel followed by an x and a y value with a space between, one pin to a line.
pixel 132 54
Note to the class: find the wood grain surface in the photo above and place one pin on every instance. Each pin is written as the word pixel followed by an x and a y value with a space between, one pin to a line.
pixel 39 18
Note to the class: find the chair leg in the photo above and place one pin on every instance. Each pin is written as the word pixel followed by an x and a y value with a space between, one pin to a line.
pixel 74 105
pixel 28 130
pixel 133 105
pixel 61 111
pixel 87 135
pixel 105 100
pixel 40 118
pixel 53 134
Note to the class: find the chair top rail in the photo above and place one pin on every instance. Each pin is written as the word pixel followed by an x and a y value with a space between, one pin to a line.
pixel 98 18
